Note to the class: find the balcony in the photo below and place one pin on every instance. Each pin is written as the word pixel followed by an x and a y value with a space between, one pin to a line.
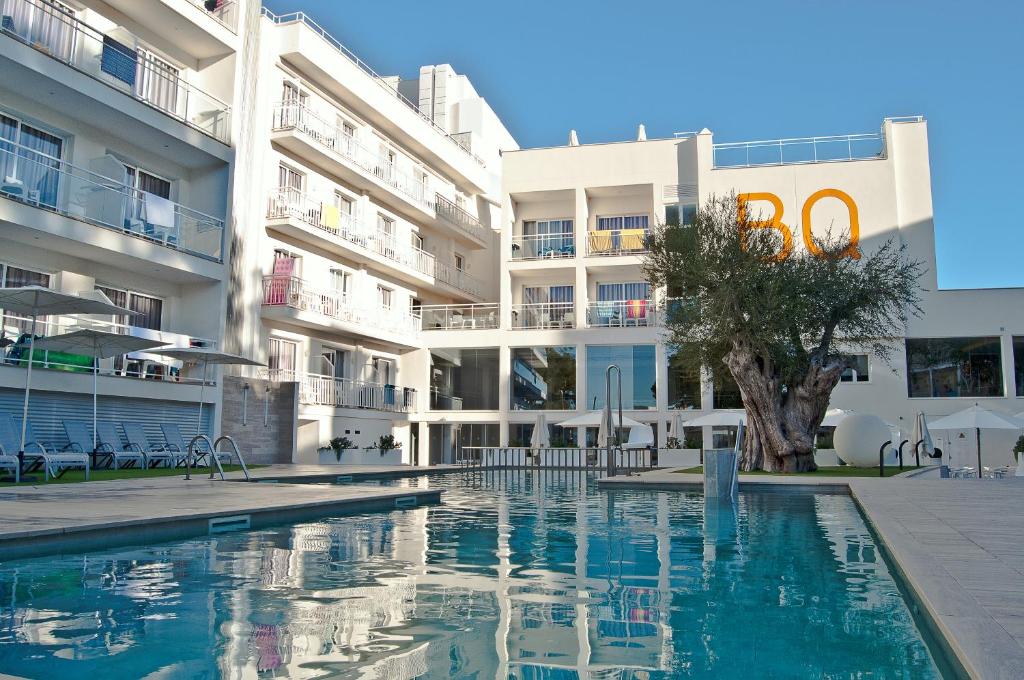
pixel 439 401
pixel 64 38
pixel 335 310
pixel 460 317
pixel 225 12
pixel 465 224
pixel 543 246
pixel 455 278
pixel 325 390
pixel 372 171
pixel 617 242
pixel 546 315
pixel 621 313
pixel 48 183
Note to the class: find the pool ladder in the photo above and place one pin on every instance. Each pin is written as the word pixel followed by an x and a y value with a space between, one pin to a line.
pixel 212 454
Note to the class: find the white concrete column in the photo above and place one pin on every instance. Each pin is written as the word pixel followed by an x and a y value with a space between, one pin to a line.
pixel 1010 379
pixel 504 392
pixel 580 216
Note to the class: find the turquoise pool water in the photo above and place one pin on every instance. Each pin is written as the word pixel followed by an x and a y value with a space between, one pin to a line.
pixel 517 575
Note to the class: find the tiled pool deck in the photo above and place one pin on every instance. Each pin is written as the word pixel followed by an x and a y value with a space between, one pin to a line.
pixel 957 543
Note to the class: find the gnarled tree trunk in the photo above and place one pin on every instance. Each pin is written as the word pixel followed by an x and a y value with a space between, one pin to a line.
pixel 782 420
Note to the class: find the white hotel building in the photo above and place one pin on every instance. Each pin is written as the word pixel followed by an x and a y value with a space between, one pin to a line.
pixel 243 180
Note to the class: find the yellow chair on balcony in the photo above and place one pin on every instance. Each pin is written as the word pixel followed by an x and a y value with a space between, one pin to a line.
pixel 600 241
pixel 632 239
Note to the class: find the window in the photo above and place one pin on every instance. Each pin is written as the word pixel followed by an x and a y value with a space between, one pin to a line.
pixel 460 262
pixel 333 362
pixel 610 292
pixel 725 391
pixel 289 178
pixel 140 208
pixel 954 367
pixel 638 375
pixel 545 307
pixel 386 226
pixel 545 238
pixel 464 379
pixel 622 222
pixel 148 310
pixel 29 162
pixel 16 277
pixel 683 383
pixel 44 23
pixel 384 296
pixel 680 213
pixel 858 372
pixel 417 241
pixel 543 378
pixel 476 435
pixel 156 81
pixel 281 358
pixel 1018 364
pixel 293 101
pixel 383 370
pixel 341 281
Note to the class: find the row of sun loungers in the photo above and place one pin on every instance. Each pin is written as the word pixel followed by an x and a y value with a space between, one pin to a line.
pixel 134 449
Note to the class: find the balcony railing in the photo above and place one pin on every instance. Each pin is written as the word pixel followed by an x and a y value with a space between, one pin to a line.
pixel 459 218
pixel 325 390
pixel 439 401
pixel 301 17
pixel 296 293
pixel 800 150
pixel 456 278
pixel 544 315
pixel 621 313
pixel 324 215
pixel 51 30
pixel 460 317
pixel 617 242
pixel 225 12
pixel 543 246
pixel 295 116
pixel 139 365
pixel 45 182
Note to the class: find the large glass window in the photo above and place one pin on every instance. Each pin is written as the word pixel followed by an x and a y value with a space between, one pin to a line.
pixel 475 435
pixel 725 391
pixel 543 378
pixel 954 367
pixel 639 375
pixel 464 379
pixel 858 371
pixel 1018 364
pixel 683 383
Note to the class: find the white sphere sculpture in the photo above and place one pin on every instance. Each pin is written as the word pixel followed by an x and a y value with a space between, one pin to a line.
pixel 858 437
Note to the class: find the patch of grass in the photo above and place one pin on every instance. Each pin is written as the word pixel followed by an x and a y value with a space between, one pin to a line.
pixel 832 471
pixel 104 475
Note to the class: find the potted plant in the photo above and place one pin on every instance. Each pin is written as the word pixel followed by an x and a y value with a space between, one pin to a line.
pixel 389 448
pixel 1018 448
pixel 339 444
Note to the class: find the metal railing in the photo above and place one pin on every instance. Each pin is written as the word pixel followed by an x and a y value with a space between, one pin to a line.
pixel 42 181
pixel 296 116
pixel 457 278
pixel 617 241
pixel 461 317
pixel 296 293
pixel 459 218
pixel 621 313
pixel 543 246
pixel 134 365
pixel 552 458
pixel 544 315
pixel 56 33
pixel 800 150
pixel 286 202
pixel 303 18
pixel 439 401
pixel 326 390
pixel 225 12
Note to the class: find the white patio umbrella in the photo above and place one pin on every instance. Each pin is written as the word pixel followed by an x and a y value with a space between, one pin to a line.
pixel 922 436
pixel 677 428
pixel 719 419
pixel 977 419
pixel 204 356
pixel 834 416
pixel 99 345
pixel 540 439
pixel 36 301
pixel 595 418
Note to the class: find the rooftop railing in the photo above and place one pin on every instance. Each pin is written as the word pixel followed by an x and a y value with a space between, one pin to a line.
pixel 295 116
pixel 45 182
pixel 459 217
pixel 800 150
pixel 58 34
pixel 290 291
pixel 544 315
pixel 326 390
pixel 460 317
pixel 139 365
pixel 303 18
pixel 543 246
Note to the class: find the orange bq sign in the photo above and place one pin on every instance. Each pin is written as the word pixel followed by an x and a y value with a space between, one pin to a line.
pixel 851 250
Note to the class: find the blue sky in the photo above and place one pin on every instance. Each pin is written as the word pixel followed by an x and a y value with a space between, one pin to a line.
pixel 747 70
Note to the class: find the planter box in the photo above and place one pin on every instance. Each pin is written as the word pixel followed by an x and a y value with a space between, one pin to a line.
pixel 684 458
pixel 371 457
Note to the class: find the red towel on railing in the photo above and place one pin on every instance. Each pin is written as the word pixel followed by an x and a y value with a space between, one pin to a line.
pixel 636 309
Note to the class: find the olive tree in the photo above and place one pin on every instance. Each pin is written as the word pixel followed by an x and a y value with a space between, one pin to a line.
pixel 781 321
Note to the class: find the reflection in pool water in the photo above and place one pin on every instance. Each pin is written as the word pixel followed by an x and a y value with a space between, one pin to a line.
pixel 517 575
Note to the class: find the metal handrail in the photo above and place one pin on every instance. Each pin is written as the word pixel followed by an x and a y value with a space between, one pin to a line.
pixel 459 217
pixel 189 451
pixel 543 246
pixel 238 455
pixel 544 315
pixel 811 143
pixel 586 458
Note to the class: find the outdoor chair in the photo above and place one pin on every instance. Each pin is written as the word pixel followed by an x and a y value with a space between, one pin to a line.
pixel 80 440
pixel 9 461
pixel 109 438
pixel 176 442
pixel 135 433
pixel 36 455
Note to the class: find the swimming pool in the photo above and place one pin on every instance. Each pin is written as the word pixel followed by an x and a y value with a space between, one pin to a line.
pixel 518 575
